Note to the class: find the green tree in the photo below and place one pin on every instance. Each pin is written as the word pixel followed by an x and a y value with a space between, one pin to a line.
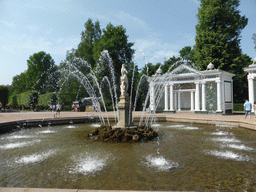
pixel 218 37
pixel 187 53
pixel 18 83
pixel 218 33
pixel 170 64
pixel 89 37
pixel 4 94
pixel 115 40
pixel 240 85
pixel 149 69
pixel 41 75
pixel 71 82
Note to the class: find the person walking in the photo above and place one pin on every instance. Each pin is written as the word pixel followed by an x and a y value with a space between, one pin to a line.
pixel 254 107
pixel 247 109
pixel 58 108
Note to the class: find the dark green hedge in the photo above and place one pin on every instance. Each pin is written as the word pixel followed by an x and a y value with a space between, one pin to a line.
pixel 238 107
pixel 27 99
pixel 4 94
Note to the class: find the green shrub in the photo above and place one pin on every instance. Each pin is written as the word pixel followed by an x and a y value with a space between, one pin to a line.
pixel 4 94
pixel 13 101
pixel 28 99
pixel 45 100
pixel 238 107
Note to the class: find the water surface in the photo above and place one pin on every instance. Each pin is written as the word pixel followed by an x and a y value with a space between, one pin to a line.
pixel 183 157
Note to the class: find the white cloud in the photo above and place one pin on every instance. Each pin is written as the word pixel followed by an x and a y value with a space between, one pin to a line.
pixel 196 1
pixel 130 20
pixel 163 54
pixel 8 24
pixel 155 49
pixel 35 44
pixel 33 28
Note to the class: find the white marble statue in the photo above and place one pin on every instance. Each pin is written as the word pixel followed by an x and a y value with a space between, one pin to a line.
pixel 124 81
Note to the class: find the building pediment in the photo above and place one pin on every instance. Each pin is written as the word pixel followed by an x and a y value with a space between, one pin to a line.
pixel 185 70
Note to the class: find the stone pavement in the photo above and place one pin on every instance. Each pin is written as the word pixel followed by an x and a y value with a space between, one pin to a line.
pixel 187 117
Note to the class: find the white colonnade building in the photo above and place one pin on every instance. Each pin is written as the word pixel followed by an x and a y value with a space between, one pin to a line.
pixel 251 70
pixel 188 89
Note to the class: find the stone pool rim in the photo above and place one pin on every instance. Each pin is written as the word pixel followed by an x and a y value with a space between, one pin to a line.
pixel 42 119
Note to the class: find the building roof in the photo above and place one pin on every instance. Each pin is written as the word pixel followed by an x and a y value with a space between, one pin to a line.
pixel 184 70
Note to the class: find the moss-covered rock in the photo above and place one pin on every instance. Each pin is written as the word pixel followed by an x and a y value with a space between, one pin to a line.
pixel 107 134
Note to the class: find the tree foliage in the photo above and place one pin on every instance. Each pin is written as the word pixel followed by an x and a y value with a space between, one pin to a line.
pixel 47 99
pixel 115 40
pixel 93 42
pixel 218 37
pixel 28 99
pixel 41 73
pixel 171 64
pixel 218 33
pixel 4 94
pixel 18 83
pixel 89 37
pixel 71 84
pixel 187 53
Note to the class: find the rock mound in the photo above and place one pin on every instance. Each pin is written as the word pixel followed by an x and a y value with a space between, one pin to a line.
pixel 106 133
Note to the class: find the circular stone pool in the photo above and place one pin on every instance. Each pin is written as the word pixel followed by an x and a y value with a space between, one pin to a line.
pixel 183 157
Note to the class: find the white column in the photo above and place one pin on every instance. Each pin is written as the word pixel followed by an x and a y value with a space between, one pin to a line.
pixel 219 95
pixel 203 97
pixel 251 89
pixel 171 97
pixel 166 98
pixel 192 100
pixel 175 106
pixel 197 99
pixel 179 101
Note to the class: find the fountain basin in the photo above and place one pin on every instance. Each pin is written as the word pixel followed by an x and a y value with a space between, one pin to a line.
pixel 183 157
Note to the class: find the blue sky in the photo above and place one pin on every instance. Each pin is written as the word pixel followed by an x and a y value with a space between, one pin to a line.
pixel 159 29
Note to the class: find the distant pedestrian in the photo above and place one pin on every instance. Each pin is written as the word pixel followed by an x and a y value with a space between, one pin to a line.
pixel 78 107
pixel 254 107
pixel 73 107
pixel 247 109
pixel 10 107
pixel 53 108
pixel 58 108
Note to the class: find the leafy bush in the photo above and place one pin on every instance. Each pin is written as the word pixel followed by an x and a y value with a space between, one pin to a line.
pixel 238 107
pixel 13 101
pixel 25 100
pixel 46 99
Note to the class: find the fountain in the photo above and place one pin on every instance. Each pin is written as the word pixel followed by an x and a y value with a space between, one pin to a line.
pixel 124 130
pixel 182 157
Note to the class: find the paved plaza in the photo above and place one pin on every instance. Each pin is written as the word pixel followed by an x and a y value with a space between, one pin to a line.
pixel 187 117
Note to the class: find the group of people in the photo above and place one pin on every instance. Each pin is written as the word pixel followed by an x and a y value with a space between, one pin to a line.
pixel 248 108
pixel 57 108
pixel 75 107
